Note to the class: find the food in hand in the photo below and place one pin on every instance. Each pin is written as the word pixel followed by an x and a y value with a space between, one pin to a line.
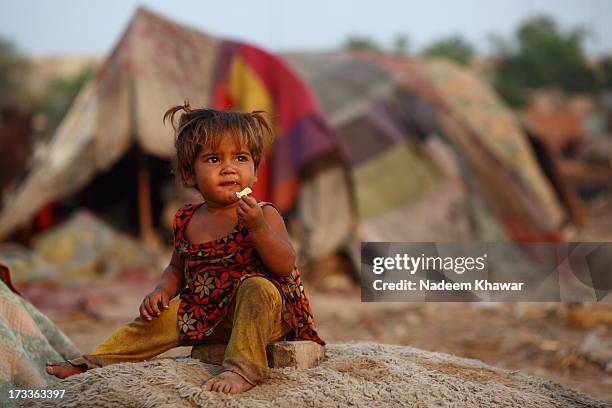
pixel 244 192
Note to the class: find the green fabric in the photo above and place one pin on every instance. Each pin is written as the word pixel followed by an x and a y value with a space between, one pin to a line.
pixel 27 340
pixel 401 175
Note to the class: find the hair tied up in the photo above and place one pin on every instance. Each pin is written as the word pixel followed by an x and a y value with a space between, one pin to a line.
pixel 170 113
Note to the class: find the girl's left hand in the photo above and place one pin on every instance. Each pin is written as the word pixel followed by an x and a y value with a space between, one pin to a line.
pixel 249 213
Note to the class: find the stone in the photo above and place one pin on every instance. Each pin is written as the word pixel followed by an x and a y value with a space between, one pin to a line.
pixel 209 353
pixel 296 354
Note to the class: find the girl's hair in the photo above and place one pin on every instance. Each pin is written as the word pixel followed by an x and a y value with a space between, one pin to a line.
pixel 203 127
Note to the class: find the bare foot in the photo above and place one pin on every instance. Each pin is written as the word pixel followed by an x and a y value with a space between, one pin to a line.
pixel 62 369
pixel 228 382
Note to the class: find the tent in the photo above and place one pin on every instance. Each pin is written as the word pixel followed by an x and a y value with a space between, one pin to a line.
pixel 380 167
pixel 388 112
pixel 157 64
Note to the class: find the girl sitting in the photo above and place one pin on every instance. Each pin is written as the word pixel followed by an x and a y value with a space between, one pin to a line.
pixel 233 265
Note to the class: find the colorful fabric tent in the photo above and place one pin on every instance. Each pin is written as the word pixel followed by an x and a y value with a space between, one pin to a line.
pixel 392 174
pixel 397 124
pixel 387 111
pixel 158 64
pixel 495 148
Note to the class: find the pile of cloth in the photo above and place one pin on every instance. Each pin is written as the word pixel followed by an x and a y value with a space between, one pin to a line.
pixel 27 340
pixel 76 252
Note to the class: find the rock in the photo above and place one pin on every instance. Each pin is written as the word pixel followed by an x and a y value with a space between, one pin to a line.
pixel 296 354
pixel 209 353
pixel 598 350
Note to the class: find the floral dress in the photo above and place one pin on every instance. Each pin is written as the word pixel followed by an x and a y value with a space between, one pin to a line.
pixel 213 272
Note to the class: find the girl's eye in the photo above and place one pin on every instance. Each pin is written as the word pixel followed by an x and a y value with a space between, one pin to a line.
pixel 242 158
pixel 212 159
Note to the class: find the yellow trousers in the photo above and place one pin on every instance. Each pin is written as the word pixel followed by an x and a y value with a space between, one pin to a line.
pixel 253 320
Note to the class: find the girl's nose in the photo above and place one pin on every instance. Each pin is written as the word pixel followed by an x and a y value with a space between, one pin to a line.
pixel 227 168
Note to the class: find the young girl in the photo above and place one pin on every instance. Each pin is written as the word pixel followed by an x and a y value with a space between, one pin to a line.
pixel 233 265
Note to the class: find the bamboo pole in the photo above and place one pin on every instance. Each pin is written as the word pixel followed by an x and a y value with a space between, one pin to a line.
pixel 145 210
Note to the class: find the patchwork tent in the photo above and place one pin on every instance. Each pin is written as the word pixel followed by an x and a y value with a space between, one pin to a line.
pixel 158 64
pixel 391 116
pixel 410 140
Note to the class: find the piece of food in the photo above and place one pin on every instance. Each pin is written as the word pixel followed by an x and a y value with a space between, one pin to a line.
pixel 244 192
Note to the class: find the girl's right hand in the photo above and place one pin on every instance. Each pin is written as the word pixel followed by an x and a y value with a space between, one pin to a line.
pixel 150 306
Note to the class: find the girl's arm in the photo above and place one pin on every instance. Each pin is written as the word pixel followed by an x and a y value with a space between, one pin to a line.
pixel 171 282
pixel 269 234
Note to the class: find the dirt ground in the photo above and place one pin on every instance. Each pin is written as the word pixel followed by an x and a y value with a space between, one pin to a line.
pixel 541 339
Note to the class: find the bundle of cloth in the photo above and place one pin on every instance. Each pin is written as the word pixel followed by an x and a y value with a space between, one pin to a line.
pixel 27 340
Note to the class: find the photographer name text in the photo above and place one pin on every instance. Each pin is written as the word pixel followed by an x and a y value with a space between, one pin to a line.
pixel 426 284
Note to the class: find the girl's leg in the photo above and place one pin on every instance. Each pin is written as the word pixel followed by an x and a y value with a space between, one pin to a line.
pixel 136 341
pixel 256 321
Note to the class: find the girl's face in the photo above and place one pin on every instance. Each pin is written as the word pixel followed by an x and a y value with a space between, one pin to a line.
pixel 221 172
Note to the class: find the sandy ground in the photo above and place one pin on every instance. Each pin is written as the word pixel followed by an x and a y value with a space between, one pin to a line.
pixel 541 339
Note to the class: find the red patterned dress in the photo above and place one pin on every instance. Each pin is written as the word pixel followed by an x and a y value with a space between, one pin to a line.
pixel 213 271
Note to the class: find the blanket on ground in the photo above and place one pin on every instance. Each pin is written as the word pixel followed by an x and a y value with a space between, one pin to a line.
pixel 353 374
pixel 27 340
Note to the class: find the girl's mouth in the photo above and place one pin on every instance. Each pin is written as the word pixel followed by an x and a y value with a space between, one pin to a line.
pixel 230 183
